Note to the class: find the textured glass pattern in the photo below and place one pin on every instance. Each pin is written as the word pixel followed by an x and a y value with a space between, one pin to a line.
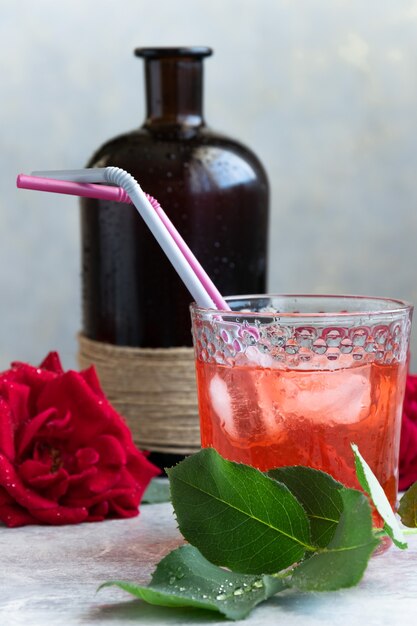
pixel 297 340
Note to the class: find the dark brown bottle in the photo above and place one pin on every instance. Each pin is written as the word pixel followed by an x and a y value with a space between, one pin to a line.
pixel 214 190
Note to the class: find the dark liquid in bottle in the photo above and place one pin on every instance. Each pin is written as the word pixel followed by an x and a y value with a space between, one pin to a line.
pixel 213 189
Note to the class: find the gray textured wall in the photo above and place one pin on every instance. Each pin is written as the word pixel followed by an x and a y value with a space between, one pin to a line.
pixel 325 91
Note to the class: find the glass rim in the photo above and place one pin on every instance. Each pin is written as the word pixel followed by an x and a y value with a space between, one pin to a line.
pixel 398 306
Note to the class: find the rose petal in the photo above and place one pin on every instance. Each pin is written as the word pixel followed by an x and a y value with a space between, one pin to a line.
pixel 17 396
pixel 40 508
pixel 31 429
pixel 90 417
pixel 13 515
pixel 38 476
pixel 106 478
pixel 4 497
pixel 110 450
pixel 141 469
pixel 54 490
pixel 87 457
pixel 408 454
pixel 98 512
pixel 34 377
pixel 52 363
pixel 59 515
pixel 90 377
pixel 56 428
pixel 408 447
pixel 31 468
pixel 80 481
pixel 128 493
pixel 125 506
pixel 6 430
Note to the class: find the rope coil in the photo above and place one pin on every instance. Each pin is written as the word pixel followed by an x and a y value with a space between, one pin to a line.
pixel 153 388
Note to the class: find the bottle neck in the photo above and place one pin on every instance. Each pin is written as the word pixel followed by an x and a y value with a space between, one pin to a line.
pixel 174 91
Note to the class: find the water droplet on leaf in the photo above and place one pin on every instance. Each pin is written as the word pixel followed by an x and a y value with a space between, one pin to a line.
pixel 238 592
pixel 258 584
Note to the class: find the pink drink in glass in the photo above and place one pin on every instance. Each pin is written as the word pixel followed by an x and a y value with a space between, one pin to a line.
pixel 299 388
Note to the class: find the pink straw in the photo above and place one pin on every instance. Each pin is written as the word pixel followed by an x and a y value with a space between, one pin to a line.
pixel 117 194
pixel 86 190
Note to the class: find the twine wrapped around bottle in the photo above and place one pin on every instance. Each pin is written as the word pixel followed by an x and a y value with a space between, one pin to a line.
pixel 153 388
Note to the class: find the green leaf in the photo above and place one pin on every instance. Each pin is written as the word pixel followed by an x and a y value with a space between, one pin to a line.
pixel 157 491
pixel 370 484
pixel 408 507
pixel 343 562
pixel 185 578
pixel 236 516
pixel 320 496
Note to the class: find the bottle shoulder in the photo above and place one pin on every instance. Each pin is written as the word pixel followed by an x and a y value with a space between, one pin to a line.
pixel 110 150
pixel 227 144
pixel 194 148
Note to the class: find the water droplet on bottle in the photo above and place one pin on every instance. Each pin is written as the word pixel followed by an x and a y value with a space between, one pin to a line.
pixel 221 596
pixel 238 592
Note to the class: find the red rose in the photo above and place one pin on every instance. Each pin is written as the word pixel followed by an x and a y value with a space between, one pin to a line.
pixel 66 456
pixel 408 448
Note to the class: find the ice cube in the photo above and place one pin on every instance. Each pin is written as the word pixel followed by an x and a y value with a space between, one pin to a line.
pixel 338 396
pixel 253 356
pixel 234 397
pixel 221 403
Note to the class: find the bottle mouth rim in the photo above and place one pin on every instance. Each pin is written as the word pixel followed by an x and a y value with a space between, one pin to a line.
pixel 182 51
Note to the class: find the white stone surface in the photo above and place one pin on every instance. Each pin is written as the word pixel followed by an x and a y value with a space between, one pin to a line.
pixel 49 576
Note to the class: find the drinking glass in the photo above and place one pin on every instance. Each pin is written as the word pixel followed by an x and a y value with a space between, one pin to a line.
pixel 295 379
